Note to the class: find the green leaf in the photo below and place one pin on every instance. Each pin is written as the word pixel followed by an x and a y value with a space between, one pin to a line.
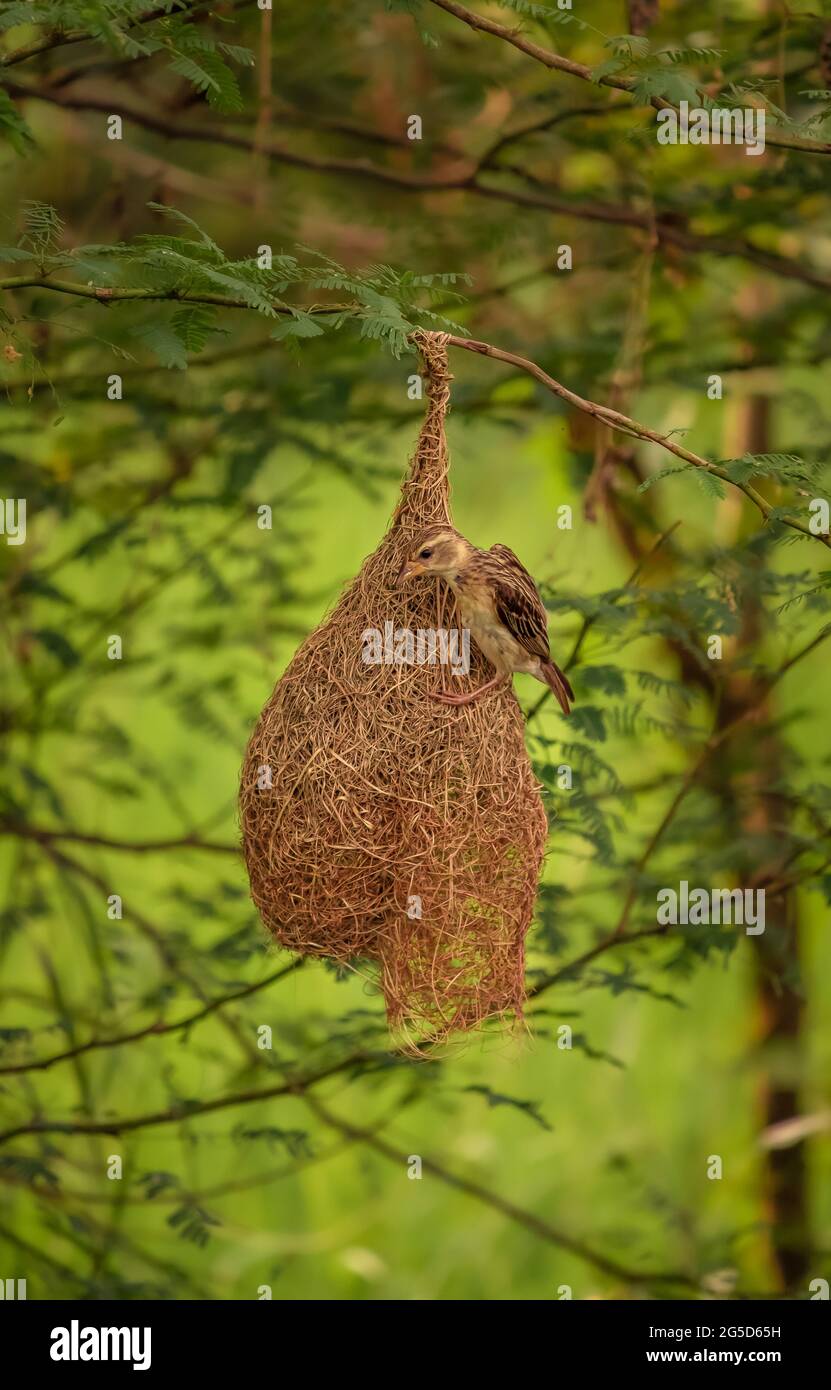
pixel 164 343
pixel 530 1108
pixel 176 216
pixel 58 645
pixel 14 126
pixel 243 56
pixel 544 14
pixel 787 467
pixel 670 472
pixel 609 68
pixel 42 227
pixel 674 87
pixel 608 679
pixel 34 583
pixel 195 325
pixel 212 77
pixel 689 55
pixel 193 1223
pixel 295 1141
pixel 709 483
pixel 298 326
pixel 589 721
pixel 635 45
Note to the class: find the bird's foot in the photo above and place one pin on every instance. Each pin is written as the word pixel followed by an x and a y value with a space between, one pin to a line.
pixel 443 698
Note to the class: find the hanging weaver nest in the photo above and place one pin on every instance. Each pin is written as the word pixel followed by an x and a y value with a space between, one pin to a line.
pixel 362 799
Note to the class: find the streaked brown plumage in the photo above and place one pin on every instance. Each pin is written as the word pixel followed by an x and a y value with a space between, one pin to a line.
pixel 498 602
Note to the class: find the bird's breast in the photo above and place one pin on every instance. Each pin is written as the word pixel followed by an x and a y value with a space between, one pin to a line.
pixel 491 637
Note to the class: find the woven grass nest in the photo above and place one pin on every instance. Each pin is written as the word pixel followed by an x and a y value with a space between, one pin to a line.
pixel 380 826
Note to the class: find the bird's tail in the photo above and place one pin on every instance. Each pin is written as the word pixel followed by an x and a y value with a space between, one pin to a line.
pixel 558 681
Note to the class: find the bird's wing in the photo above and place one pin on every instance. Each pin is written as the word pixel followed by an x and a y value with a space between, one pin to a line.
pixel 517 602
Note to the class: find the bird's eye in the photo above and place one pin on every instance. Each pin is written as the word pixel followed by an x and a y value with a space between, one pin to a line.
pixel 426 553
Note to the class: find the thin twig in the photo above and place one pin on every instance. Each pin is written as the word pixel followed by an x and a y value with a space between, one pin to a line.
pixel 40 833
pixel 531 1222
pixel 591 618
pixel 453 180
pixel 713 743
pixel 175 1114
pixel 624 425
pixel 154 1030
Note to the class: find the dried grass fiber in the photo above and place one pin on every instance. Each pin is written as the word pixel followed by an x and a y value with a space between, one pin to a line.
pixel 381 799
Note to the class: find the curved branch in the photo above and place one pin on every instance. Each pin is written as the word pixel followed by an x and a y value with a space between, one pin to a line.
pixel 66 37
pixel 468 180
pixel 550 59
pixel 104 294
pixel 607 944
pixel 177 1113
pixel 535 1224
pixel 591 618
pixel 613 419
pixel 622 423
pixel 152 1030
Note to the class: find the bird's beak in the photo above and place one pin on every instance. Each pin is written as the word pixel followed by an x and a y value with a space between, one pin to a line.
pixel 408 571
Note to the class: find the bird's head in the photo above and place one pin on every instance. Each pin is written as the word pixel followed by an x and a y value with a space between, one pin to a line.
pixel 439 550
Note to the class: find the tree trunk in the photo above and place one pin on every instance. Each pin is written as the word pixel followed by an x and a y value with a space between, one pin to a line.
pixel 749 785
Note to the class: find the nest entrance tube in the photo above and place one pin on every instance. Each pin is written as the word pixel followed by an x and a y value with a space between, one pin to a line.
pixel 379 824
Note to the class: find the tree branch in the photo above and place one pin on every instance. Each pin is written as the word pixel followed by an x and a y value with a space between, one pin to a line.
pixel 130 294
pixel 149 930
pixel 535 1224
pixel 591 618
pixel 555 61
pixel 622 423
pixel 63 38
pixel 607 944
pixel 452 182
pixel 713 743
pixel 152 1030
pixel 137 370
pixel 611 418
pixel 177 1113
pixel 44 836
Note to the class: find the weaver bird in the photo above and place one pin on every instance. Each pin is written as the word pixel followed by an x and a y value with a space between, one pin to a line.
pixel 498 602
